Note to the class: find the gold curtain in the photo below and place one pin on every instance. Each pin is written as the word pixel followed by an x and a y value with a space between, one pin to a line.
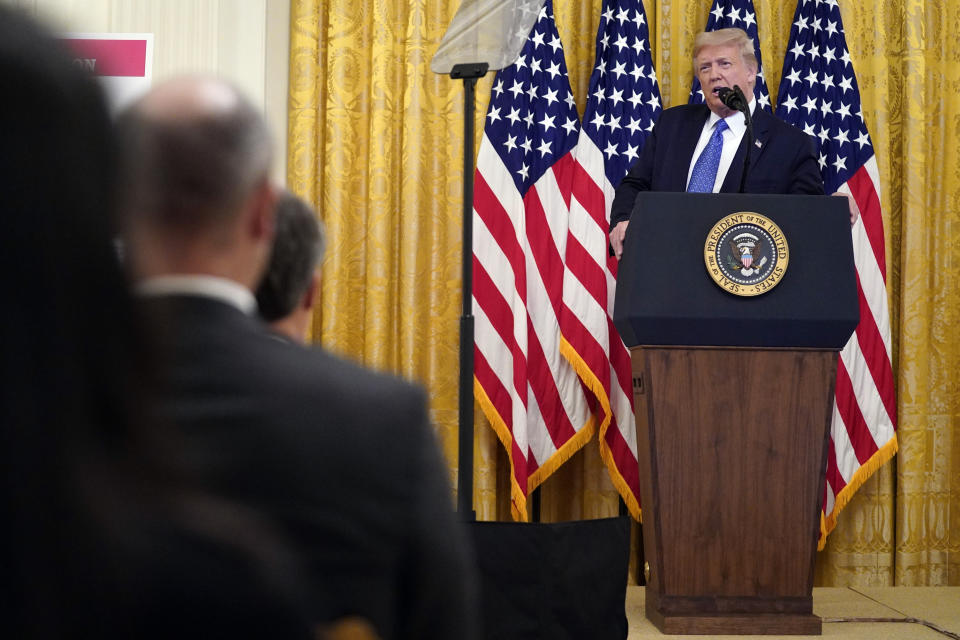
pixel 375 143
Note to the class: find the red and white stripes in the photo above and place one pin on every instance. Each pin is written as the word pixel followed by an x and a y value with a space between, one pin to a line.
pixel 591 342
pixel 531 395
pixel 863 430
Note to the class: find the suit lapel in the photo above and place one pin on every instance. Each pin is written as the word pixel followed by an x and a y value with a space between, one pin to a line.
pixel 761 125
pixel 686 142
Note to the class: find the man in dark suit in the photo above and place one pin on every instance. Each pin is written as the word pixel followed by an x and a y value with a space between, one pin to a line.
pixel 289 288
pixel 342 459
pixel 781 159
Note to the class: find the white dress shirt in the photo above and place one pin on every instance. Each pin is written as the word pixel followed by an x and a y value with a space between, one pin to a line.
pixel 222 289
pixel 736 127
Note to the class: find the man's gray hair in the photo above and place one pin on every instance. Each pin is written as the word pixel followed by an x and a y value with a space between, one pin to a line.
pixel 191 171
pixel 734 36
pixel 298 248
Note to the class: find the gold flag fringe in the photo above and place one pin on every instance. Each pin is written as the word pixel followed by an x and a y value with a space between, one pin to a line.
pixel 828 521
pixel 591 381
pixel 518 499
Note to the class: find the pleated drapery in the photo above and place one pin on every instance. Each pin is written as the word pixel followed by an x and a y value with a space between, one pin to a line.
pixel 375 142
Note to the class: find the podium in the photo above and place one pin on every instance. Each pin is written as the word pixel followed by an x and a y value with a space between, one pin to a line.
pixel 734 397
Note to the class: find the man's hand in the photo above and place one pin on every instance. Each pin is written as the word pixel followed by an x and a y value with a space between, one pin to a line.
pixel 854 209
pixel 617 236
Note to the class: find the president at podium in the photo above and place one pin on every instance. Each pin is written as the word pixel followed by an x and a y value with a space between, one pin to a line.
pixel 701 148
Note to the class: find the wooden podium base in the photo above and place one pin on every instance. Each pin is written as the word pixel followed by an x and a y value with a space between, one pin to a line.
pixel 731 444
pixel 737 624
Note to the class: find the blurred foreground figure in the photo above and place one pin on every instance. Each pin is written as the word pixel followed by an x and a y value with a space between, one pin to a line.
pixel 289 289
pixel 343 459
pixel 101 536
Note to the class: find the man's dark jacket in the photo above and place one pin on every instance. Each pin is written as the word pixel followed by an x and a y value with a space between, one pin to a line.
pixel 343 459
pixel 783 162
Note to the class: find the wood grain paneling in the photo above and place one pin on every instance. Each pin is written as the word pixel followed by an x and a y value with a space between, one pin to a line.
pixel 731 447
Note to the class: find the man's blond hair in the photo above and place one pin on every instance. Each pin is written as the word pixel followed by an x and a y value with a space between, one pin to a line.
pixel 720 37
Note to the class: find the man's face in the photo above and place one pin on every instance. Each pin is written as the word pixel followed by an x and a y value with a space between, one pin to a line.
pixel 721 66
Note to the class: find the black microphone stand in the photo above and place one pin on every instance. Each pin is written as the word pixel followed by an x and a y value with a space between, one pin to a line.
pixel 469 73
pixel 744 106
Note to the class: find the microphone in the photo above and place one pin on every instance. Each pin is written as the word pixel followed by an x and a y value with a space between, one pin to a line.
pixel 733 98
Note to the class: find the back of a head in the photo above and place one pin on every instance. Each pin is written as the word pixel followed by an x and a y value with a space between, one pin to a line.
pixel 297 252
pixel 192 150
pixel 67 332
pixel 70 304
pixel 729 36
pixel 57 164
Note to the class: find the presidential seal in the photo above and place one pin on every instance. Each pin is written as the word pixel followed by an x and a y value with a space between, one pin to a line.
pixel 746 253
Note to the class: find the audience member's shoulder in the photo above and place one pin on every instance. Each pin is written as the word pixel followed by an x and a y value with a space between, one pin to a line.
pixel 356 372
pixel 340 375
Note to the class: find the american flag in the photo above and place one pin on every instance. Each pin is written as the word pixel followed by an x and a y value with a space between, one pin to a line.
pixel 623 103
pixel 818 93
pixel 736 13
pixel 527 390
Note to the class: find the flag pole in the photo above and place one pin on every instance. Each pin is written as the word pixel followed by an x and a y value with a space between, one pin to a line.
pixel 469 73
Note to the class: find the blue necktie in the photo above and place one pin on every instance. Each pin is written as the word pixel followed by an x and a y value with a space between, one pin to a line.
pixel 705 170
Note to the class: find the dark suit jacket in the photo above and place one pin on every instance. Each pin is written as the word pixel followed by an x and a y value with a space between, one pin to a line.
pixel 784 162
pixel 343 459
